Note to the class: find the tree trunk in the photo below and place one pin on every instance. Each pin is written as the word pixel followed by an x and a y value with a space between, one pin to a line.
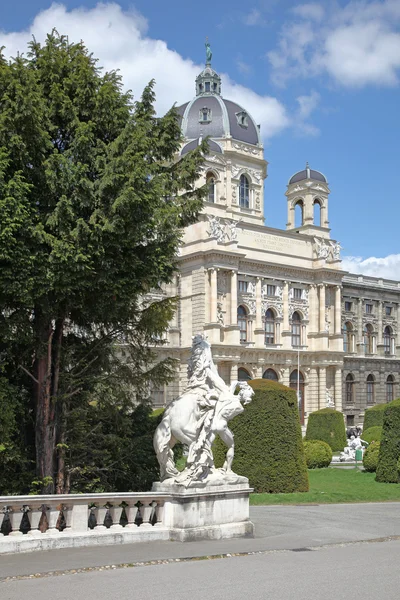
pixel 48 413
pixel 45 413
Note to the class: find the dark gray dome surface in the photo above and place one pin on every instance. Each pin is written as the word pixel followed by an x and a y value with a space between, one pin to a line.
pixel 223 120
pixel 308 174
pixel 213 146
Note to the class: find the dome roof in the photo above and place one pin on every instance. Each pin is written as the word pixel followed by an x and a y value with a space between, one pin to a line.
pixel 308 173
pixel 211 115
pixel 208 114
pixel 213 146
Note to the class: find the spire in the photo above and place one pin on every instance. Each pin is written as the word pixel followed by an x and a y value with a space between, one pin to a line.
pixel 308 170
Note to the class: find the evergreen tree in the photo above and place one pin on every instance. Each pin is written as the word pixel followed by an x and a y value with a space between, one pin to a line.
pixel 92 206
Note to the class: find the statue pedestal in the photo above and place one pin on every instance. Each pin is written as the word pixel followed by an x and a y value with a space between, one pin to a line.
pixel 216 509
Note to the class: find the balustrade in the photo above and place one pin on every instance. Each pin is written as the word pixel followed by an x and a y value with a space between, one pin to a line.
pixel 78 513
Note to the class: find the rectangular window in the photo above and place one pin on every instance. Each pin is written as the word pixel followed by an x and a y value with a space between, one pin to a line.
pixel 269 333
pixel 370 392
pixel 388 311
pixel 297 293
pixel 207 84
pixel 368 308
pixel 243 286
pixel 296 335
pixel 271 290
pixel 347 306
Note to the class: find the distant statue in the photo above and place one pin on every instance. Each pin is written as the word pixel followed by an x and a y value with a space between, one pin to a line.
pixel 349 452
pixel 330 403
pixel 195 418
pixel 208 53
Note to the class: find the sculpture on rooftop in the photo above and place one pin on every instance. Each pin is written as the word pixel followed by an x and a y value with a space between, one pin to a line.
pixel 208 52
pixel 195 418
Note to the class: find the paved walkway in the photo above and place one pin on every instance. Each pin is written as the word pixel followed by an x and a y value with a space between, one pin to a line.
pixel 277 528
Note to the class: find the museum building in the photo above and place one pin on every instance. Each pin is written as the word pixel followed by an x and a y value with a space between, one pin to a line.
pixel 275 303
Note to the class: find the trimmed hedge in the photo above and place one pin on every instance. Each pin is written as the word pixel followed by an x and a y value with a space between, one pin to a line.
pixel 327 425
pixel 318 454
pixel 268 443
pixel 387 470
pixel 374 416
pixel 373 434
pixel 371 456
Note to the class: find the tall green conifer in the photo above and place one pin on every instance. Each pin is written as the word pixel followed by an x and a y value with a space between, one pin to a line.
pixel 92 206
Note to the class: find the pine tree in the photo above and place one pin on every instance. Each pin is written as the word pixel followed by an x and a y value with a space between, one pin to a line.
pixel 92 205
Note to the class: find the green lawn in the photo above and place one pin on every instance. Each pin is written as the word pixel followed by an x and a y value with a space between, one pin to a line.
pixel 336 485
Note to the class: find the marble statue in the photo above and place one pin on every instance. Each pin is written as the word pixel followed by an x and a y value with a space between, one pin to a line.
pixel 195 418
pixel 336 248
pixel 321 248
pixel 330 403
pixel 349 452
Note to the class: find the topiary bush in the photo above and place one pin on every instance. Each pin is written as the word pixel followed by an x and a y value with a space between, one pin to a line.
pixel 374 416
pixel 370 458
pixel 318 454
pixel 268 443
pixel 327 425
pixel 387 469
pixel 373 434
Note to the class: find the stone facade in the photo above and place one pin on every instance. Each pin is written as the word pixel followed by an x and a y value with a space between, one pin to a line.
pixel 271 300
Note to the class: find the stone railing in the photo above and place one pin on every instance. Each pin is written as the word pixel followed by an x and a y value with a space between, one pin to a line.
pixel 44 522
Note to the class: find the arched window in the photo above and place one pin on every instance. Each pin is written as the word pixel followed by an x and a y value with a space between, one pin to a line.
pixel 270 374
pixel 269 327
pixel 348 338
pixel 349 389
pixel 299 213
pixel 296 382
pixel 243 323
pixel 296 330
pixel 243 375
pixel 317 212
pixel 390 388
pixel 387 340
pixel 244 192
pixel 368 339
pixel 370 389
pixel 211 187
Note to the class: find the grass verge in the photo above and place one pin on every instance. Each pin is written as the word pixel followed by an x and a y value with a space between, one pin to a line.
pixel 328 486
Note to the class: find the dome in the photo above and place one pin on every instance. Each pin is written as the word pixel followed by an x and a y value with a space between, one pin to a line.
pixel 208 114
pixel 307 173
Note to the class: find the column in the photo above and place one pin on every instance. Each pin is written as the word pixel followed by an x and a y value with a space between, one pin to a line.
pixel 213 296
pixel 338 388
pixel 322 307
pixel 360 339
pixel 398 326
pixel 313 308
pixel 233 298
pixel 207 300
pixel 290 216
pixel 338 311
pixel 322 387
pixel 380 335
pixel 285 300
pixel 258 304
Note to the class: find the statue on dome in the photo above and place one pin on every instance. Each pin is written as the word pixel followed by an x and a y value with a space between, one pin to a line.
pixel 208 52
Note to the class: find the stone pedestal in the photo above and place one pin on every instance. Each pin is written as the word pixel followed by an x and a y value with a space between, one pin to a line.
pixel 212 510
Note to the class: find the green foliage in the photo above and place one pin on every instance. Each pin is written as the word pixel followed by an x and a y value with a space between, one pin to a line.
pixel 373 434
pixel 327 425
pixel 374 416
pixel 387 470
pixel 318 454
pixel 92 209
pixel 371 456
pixel 268 443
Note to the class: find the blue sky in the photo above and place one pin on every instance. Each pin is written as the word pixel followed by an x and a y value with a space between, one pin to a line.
pixel 322 78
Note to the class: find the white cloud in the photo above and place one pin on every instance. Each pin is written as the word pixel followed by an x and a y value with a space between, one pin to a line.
pixel 254 17
pixel 307 105
pixel 309 11
pixel 244 67
pixel 118 39
pixel 386 268
pixel 357 44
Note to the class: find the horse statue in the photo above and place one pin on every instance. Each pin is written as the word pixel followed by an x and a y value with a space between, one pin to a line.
pixel 197 416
